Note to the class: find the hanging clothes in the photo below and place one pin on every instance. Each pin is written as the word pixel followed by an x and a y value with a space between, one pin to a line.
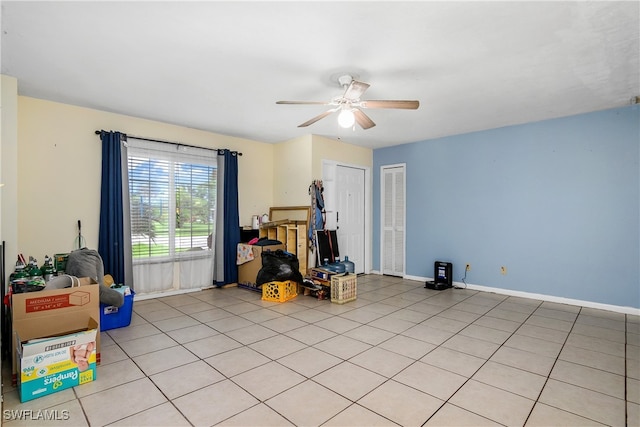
pixel 318 214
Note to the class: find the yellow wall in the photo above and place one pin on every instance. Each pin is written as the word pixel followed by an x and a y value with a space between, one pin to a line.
pixel 292 172
pixel 59 164
pixel 340 152
pixel 9 168
pixel 299 161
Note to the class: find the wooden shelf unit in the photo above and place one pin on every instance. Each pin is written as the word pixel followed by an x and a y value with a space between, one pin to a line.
pixel 294 236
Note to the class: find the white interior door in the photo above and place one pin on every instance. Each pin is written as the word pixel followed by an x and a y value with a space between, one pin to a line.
pixel 393 219
pixel 350 214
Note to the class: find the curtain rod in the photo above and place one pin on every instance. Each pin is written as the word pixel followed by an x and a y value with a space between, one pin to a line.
pixel 167 142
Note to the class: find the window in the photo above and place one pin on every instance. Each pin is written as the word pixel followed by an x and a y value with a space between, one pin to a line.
pixel 172 193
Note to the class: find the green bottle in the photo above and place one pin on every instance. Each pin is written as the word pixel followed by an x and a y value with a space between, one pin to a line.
pixel 18 279
pixel 47 270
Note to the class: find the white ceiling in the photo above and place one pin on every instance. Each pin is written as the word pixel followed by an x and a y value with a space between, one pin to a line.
pixel 221 66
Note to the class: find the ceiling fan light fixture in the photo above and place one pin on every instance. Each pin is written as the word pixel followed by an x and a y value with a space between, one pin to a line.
pixel 345 80
pixel 346 118
pixel 350 105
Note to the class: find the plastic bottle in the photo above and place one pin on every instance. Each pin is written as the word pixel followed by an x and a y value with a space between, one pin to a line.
pixel 48 270
pixel 334 267
pixel 349 265
pixel 18 279
pixel 35 281
pixel 32 269
pixel 338 266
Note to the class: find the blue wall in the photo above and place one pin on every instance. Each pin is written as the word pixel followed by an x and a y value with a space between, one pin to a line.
pixel 557 202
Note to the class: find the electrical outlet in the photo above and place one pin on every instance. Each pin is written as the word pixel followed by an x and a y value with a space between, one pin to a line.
pixel 503 270
pixel 468 267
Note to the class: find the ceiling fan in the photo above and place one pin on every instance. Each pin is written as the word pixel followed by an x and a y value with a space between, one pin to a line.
pixel 349 104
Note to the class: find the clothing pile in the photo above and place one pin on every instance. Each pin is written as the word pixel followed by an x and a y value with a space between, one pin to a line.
pixel 86 263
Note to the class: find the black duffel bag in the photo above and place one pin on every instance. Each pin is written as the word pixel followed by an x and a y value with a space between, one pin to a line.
pixel 279 266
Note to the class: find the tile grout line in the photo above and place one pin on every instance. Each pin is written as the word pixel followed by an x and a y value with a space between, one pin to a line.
pixel 116 343
pixel 306 378
pixel 624 375
pixel 554 364
pixel 212 367
pixel 626 405
pixel 575 321
pixel 484 363
pixel 387 379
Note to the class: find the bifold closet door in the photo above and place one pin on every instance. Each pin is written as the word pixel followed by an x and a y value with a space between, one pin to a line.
pixel 393 187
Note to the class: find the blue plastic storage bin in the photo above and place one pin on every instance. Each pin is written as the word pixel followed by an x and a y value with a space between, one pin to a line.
pixel 116 317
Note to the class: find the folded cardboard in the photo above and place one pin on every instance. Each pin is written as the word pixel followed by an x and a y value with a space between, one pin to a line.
pixel 49 365
pixel 54 312
pixel 248 271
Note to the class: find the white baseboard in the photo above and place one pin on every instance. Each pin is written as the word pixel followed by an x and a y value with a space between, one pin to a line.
pixel 551 298
pixel 542 297
pixel 142 297
pixel 417 278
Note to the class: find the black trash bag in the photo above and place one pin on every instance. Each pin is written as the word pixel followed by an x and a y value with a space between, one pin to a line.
pixel 279 266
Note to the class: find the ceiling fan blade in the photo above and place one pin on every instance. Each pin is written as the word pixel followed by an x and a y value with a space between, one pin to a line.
pixel 406 105
pixel 303 102
pixel 355 90
pixel 362 119
pixel 316 118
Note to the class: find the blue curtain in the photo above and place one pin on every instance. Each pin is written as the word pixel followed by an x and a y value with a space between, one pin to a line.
pixel 231 216
pixel 111 236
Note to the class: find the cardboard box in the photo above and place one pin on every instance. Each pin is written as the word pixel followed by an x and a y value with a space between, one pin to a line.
pixel 54 312
pixel 248 271
pixel 53 364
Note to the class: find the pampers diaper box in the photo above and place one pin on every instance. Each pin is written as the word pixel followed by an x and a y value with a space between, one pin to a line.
pixel 48 365
pixel 53 313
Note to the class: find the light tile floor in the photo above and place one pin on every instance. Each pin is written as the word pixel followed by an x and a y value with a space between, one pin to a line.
pixel 398 355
